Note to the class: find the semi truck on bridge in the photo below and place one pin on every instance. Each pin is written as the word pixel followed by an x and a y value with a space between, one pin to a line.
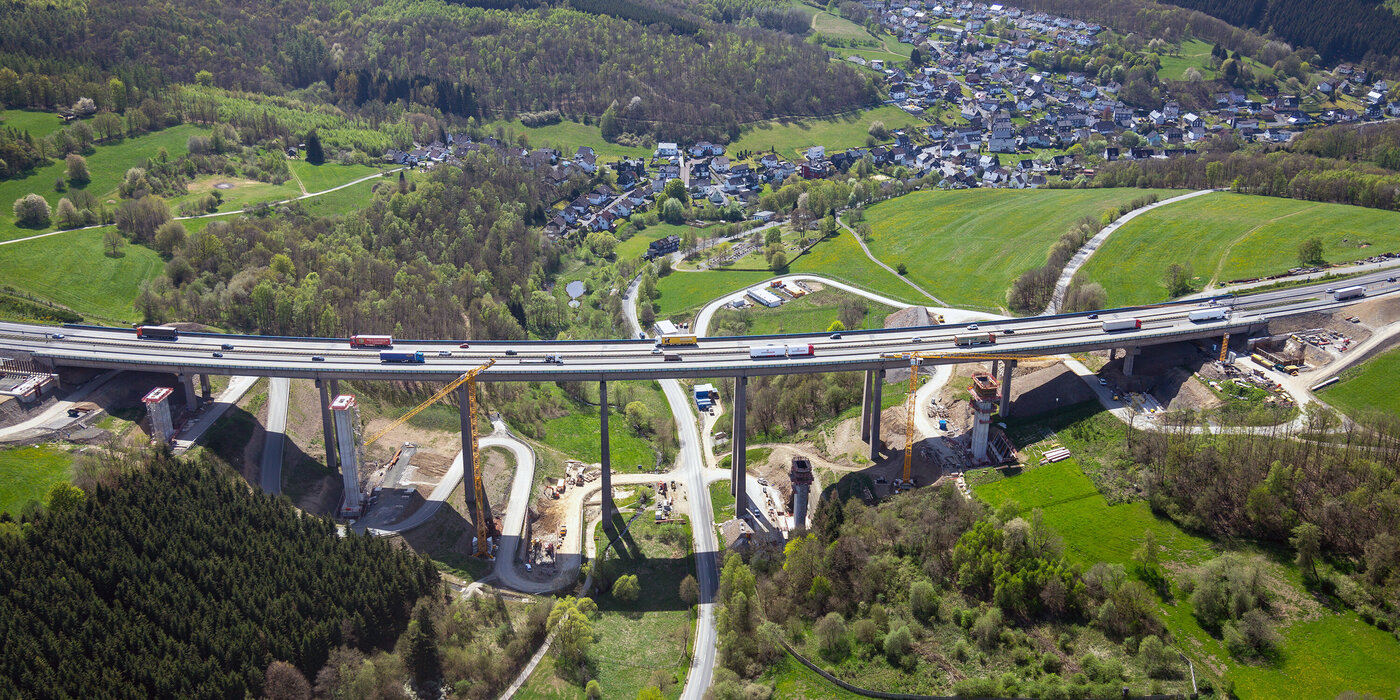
pixel 1214 313
pixel 157 333
pixel 415 358
pixel 765 351
pixel 1122 324
pixel 371 341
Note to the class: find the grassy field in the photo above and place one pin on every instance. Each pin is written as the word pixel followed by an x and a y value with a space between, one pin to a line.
pixel 1193 53
pixel 839 258
pixel 721 501
pixel 38 124
pixel 317 178
pixel 1322 654
pixel 242 193
pixel 967 247
pixel 27 473
pixel 791 679
pixel 107 166
pixel 1373 387
pixel 72 269
pixel 636 245
pixel 1093 530
pixel 808 314
pixel 789 137
pixel 567 136
pixel 1226 237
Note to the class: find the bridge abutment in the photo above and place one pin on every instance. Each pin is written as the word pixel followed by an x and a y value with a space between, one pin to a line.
pixel 1129 355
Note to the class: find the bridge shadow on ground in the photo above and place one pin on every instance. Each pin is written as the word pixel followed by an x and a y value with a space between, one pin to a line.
pixel 657 554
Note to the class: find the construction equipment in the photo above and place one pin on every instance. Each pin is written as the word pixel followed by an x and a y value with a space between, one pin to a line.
pixel 917 358
pixel 1225 347
pixel 483 523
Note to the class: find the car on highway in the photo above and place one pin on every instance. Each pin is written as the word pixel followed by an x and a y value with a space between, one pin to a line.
pixel 916 340
pixel 1102 382
pixel 226 346
pixel 1009 331
pixel 835 336
pixel 444 353
pixel 972 326
pixel 510 353
pixel 464 346
pixel 317 358
pixel 57 336
pixel 1330 290
pixel 656 350
pixel 218 354
pixel 1388 279
pixel 1093 317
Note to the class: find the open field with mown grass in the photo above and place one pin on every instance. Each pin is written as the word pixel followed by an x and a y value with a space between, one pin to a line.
pixel 636 245
pixel 789 137
pixel 73 269
pixel 318 178
pixel 966 247
pixel 1322 655
pixel 567 136
pixel 1372 387
pixel 839 258
pixel 812 313
pixel 27 474
pixel 1225 237
pixel 107 166
pixel 38 124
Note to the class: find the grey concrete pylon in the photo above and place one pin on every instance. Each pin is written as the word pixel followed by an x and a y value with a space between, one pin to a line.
pixel 738 467
pixel 607 458
pixel 191 400
pixel 865 407
pixel 464 413
pixel 1006 369
pixel 327 427
pixel 877 389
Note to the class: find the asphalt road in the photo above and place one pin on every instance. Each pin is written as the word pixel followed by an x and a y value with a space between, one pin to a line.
pixel 274 436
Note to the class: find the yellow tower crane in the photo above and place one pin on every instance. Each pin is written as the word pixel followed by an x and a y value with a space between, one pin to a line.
pixel 483 527
pixel 917 358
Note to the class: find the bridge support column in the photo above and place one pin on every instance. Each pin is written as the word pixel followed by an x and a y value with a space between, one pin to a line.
pixel 335 387
pixel 1006 369
pixel 865 406
pixel 204 387
pixel 738 467
pixel 877 388
pixel 996 364
pixel 327 427
pixel 464 412
pixel 607 459
pixel 1129 355
pixel 191 400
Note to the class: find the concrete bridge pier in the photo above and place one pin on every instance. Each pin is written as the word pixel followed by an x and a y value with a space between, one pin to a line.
pixel 1006 369
pixel 191 400
pixel 865 406
pixel 738 467
pixel 607 459
pixel 464 414
pixel 327 427
pixel 205 388
pixel 877 388
pixel 1129 355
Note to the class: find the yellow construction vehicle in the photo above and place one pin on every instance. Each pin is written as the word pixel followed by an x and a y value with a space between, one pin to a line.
pixel 917 358
pixel 483 522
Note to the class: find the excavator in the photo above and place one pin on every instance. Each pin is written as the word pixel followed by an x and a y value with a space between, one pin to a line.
pixel 482 518
pixel 916 359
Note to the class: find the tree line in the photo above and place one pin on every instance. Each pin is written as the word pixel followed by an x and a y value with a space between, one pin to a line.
pixel 674 72
pixel 172 579
pixel 1340 30
pixel 450 256
pixel 926 588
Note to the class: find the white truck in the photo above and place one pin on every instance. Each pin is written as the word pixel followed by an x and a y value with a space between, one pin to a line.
pixel 1211 313
pixel 1122 324
pixel 1349 292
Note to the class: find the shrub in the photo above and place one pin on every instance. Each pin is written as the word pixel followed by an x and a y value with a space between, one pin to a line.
pixel 626 588
pixel 32 210
pixel 987 629
pixel 831 636
pixel 897 644
pixel 923 601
